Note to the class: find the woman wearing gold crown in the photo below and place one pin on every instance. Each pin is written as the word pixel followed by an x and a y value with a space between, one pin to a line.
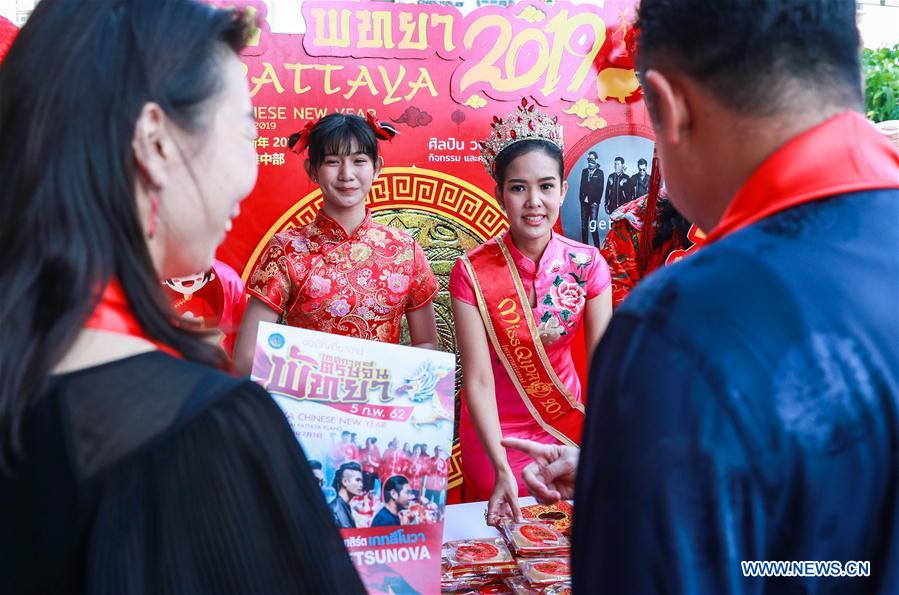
pixel 518 301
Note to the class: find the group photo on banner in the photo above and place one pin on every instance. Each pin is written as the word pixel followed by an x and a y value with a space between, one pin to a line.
pixel 468 296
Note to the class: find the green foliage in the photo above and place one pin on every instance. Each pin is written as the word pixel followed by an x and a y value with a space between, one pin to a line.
pixel 880 69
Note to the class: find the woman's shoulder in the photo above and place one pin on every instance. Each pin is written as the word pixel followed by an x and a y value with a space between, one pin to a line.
pixel 286 236
pixel 474 252
pixel 137 402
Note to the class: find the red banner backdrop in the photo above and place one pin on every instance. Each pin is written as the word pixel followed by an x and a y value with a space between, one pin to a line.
pixel 440 75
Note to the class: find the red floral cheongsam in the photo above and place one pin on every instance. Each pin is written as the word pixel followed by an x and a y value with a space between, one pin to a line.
pixel 318 277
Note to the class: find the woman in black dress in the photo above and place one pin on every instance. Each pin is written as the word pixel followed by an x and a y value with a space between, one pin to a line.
pixel 128 462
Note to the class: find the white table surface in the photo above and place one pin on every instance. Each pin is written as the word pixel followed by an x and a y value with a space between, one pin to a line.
pixel 466 521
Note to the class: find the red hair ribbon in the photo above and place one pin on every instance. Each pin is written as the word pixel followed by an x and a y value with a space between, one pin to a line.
pixel 298 141
pixel 382 130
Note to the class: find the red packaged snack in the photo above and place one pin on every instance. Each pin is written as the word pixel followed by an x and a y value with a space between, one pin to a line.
pixel 476 552
pixel 544 571
pixel 534 538
pixel 477 557
pixel 558 514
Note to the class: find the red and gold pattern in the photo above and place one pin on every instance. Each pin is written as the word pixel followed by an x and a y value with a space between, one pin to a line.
pixel 320 278
pixel 621 249
pixel 454 477
pixel 558 514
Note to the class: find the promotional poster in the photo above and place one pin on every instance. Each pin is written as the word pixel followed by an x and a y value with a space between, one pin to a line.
pixel 376 422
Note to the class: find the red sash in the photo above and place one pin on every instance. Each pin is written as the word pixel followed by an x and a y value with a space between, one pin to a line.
pixel 113 314
pixel 510 325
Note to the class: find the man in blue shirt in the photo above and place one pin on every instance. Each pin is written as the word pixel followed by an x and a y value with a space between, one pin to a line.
pixel 744 402
pixel 397 497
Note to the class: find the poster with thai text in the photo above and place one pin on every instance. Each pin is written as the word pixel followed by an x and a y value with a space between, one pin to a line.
pixel 376 422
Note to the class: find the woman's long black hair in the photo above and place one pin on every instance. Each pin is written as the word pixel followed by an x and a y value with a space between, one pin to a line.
pixel 71 90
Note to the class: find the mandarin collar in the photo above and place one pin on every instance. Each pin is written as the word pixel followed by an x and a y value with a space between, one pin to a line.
pixel 332 230
pixel 523 261
pixel 840 155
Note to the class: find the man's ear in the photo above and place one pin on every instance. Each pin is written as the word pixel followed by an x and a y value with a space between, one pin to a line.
pixel 669 106
pixel 152 145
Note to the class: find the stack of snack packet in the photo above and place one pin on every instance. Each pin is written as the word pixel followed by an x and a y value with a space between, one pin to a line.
pixel 542 576
pixel 534 539
pixel 476 565
pixel 542 553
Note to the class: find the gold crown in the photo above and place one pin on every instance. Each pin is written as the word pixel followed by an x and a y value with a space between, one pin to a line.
pixel 525 123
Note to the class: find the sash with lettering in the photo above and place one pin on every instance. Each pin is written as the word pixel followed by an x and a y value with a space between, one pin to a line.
pixel 510 325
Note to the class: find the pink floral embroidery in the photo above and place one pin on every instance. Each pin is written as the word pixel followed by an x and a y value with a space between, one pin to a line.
pixel 397 282
pixel 550 330
pixel 555 267
pixel 568 295
pixel 318 286
pixel 339 308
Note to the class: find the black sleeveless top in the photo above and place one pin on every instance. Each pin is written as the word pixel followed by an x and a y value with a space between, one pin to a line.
pixel 154 475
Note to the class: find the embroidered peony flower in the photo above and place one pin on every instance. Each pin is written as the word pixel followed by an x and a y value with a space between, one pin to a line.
pixel 359 252
pixel 339 308
pixel 300 245
pixel 365 312
pixel 579 258
pixel 377 236
pixel 318 286
pixel 555 267
pixel 550 330
pixel 398 282
pixel 567 296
